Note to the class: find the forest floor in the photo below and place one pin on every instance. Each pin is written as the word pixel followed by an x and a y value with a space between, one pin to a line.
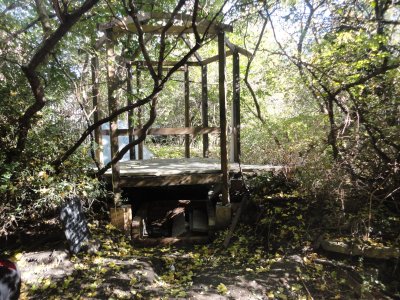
pixel 245 270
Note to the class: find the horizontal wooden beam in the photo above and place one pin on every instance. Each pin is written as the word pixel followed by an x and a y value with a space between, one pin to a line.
pixel 167 131
pixel 239 49
pixel 215 58
pixel 167 63
pixel 127 25
pixel 169 180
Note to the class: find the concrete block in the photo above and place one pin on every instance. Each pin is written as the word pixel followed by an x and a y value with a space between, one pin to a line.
pixel 137 227
pixel 211 215
pixel 223 215
pixel 121 218
pixel 199 221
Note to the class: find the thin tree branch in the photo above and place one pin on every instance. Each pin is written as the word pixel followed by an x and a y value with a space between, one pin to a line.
pixel 246 77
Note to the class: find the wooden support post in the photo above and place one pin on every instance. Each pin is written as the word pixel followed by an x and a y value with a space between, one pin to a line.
pixel 129 91
pixel 139 111
pixel 96 106
pixel 235 149
pixel 204 108
pixel 222 116
pixel 112 107
pixel 187 112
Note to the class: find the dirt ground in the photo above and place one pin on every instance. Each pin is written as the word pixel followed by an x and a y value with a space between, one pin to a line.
pixel 45 274
pixel 121 270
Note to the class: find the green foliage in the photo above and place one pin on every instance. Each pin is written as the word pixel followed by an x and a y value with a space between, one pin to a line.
pixel 167 151
pixel 38 191
pixel 31 188
pixel 326 84
pixel 284 141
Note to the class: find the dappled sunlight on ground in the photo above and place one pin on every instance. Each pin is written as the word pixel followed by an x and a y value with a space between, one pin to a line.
pixel 119 270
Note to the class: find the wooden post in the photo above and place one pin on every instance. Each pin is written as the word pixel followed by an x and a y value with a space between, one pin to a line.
pixel 235 149
pixel 96 106
pixel 222 116
pixel 112 107
pixel 139 111
pixel 204 108
pixel 129 91
pixel 187 112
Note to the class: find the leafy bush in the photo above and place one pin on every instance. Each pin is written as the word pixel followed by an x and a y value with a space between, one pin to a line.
pixel 32 189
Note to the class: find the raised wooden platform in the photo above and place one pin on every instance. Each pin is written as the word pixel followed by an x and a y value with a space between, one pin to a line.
pixel 185 171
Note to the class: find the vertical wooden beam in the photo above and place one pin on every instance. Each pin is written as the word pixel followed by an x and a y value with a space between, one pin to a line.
pixel 139 111
pixel 187 111
pixel 204 108
pixel 96 106
pixel 112 107
pixel 129 91
pixel 222 115
pixel 235 149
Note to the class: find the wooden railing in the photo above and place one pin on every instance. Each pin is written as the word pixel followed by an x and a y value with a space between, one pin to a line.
pixel 166 131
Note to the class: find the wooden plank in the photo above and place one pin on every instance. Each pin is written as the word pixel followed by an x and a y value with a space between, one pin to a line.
pixel 112 107
pixel 203 26
pixel 204 108
pixel 237 48
pixel 96 106
pixel 173 30
pixel 170 180
pixel 235 149
pixel 166 64
pixel 139 110
pixel 216 58
pixel 222 116
pixel 129 91
pixel 168 131
pixel 187 111
pixel 185 166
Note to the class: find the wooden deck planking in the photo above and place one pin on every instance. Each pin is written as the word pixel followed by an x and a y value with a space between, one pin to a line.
pixel 185 171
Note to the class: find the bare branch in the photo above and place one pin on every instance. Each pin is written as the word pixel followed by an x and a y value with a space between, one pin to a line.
pixel 246 77
pixel 151 98
pixel 132 12
pixel 168 25
pixel 32 76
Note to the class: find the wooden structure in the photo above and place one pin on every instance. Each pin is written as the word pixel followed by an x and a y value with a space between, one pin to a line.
pixel 127 174
pixel 185 171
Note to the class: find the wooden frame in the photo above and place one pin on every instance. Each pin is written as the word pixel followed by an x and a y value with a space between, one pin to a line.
pixel 204 109
pixel 127 25
pixel 112 107
pixel 129 90
pixel 182 26
pixel 222 116
pixel 139 110
pixel 187 111
pixel 235 141
pixel 181 179
pixel 166 131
